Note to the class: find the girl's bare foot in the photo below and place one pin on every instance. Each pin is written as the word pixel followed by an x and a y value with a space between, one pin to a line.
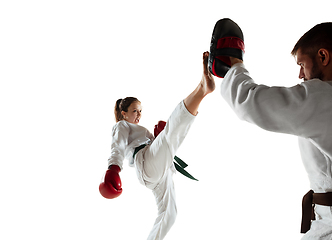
pixel 207 82
pixel 205 87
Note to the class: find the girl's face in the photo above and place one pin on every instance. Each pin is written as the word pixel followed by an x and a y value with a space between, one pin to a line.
pixel 134 113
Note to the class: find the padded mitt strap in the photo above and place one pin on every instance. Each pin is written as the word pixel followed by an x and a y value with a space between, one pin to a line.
pixel 227 41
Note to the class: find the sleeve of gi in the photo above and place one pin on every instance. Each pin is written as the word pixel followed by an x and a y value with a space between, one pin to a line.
pixel 277 109
pixel 120 135
pixel 150 136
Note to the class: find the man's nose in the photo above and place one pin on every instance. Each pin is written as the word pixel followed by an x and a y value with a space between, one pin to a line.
pixel 301 75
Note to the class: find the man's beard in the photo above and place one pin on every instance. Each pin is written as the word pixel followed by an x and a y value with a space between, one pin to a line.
pixel 315 71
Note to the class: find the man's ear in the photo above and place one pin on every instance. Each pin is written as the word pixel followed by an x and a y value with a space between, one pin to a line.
pixel 324 56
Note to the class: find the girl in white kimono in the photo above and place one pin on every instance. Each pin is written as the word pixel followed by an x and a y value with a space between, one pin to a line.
pixel 153 160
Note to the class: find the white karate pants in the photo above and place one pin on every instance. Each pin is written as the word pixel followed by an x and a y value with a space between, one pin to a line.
pixel 321 228
pixel 154 167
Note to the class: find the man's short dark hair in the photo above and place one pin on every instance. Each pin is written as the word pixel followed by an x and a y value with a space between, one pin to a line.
pixel 320 36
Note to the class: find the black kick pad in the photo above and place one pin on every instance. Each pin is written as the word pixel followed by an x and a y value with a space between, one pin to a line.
pixel 227 41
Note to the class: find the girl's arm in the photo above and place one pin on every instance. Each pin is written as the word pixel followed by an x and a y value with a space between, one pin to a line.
pixel 120 136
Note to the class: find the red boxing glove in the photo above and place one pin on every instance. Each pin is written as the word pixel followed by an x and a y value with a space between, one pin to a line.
pixel 111 186
pixel 159 127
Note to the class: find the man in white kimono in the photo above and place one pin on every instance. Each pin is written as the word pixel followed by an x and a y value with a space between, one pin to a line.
pixel 304 110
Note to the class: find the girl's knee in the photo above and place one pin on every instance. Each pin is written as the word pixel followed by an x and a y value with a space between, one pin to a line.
pixel 153 175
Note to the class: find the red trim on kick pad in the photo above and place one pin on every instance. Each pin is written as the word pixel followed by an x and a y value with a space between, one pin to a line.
pixel 223 59
pixel 230 42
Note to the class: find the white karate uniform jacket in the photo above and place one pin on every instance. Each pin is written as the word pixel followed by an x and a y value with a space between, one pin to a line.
pixel 125 138
pixel 304 110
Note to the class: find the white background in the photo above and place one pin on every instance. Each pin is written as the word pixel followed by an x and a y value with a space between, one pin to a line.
pixel 64 63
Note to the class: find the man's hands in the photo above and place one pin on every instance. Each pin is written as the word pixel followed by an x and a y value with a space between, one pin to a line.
pixel 235 60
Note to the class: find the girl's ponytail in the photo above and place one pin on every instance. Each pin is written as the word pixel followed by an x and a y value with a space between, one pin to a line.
pixel 117 110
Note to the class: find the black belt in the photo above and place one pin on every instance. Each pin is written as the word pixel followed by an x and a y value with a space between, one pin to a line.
pixel 179 164
pixel 308 204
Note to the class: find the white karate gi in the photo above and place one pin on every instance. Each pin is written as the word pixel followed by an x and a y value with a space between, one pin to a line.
pixel 154 163
pixel 304 110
